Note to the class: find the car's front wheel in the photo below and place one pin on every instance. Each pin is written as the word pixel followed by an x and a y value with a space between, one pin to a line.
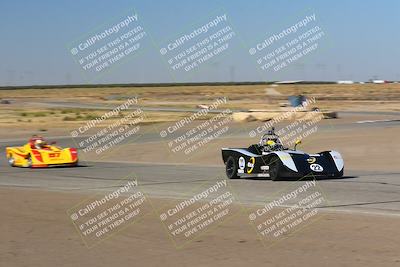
pixel 339 174
pixel 275 166
pixel 11 160
pixel 231 168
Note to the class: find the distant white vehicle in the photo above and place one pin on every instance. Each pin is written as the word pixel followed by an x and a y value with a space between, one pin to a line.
pixel 345 82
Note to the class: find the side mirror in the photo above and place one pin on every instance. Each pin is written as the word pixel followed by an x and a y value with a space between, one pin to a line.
pixel 298 142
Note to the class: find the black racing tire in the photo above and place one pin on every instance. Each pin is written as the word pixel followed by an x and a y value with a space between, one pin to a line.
pixel 11 160
pixel 231 168
pixel 339 174
pixel 275 168
pixel 329 157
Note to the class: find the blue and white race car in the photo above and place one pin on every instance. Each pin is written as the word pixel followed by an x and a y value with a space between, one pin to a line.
pixel 269 158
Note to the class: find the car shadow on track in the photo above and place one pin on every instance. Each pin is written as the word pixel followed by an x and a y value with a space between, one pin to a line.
pixel 309 178
pixel 59 167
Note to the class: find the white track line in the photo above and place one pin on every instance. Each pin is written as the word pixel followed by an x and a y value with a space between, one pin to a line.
pixel 372 121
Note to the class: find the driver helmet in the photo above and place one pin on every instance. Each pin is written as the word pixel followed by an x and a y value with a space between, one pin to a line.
pixel 271 141
pixel 39 143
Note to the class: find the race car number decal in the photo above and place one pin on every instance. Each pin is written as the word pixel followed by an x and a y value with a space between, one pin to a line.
pixel 54 155
pixel 311 160
pixel 250 165
pixel 242 163
pixel 316 167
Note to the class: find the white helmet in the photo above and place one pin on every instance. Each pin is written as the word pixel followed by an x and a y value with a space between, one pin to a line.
pixel 39 143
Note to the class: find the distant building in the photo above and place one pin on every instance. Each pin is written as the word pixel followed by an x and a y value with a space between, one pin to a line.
pixel 379 81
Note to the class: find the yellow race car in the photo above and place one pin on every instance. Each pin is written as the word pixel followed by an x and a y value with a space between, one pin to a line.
pixel 37 154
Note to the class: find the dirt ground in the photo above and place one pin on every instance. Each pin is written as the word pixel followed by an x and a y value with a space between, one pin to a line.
pixel 28 109
pixel 36 231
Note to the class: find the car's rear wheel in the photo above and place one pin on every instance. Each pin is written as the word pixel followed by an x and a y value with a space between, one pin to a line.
pixel 11 160
pixel 231 168
pixel 275 166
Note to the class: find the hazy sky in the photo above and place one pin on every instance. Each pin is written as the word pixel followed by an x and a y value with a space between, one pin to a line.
pixel 359 40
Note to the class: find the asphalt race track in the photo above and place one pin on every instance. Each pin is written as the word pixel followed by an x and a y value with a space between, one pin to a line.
pixel 358 191
pixel 376 192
